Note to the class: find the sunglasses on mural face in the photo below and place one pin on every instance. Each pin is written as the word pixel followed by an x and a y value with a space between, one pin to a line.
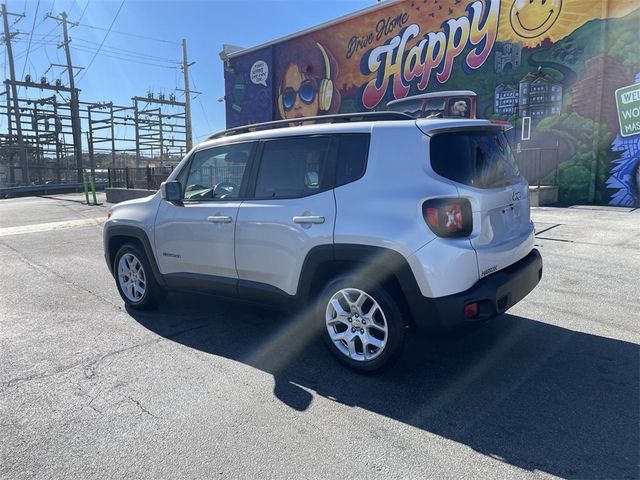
pixel 307 93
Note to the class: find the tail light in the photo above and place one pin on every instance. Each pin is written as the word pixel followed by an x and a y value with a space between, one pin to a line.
pixel 471 310
pixel 448 217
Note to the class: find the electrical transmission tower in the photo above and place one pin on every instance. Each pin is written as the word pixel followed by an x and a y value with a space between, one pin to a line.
pixel 75 101
pixel 24 164
pixel 157 131
pixel 45 122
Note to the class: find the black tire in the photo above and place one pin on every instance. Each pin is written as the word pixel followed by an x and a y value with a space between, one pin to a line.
pixel 153 293
pixel 395 335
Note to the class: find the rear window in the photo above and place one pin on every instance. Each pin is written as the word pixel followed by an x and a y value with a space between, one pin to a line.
pixel 480 159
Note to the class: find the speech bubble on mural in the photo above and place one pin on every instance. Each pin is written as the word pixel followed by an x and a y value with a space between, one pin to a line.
pixel 259 73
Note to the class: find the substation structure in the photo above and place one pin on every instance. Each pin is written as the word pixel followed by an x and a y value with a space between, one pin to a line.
pixel 128 139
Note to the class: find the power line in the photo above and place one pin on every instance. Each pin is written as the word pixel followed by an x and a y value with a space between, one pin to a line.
pixel 204 113
pixel 32 65
pixel 206 118
pixel 103 40
pixel 38 44
pixel 113 52
pixel 130 34
pixel 125 51
pixel 84 10
pixel 33 26
pixel 123 58
pixel 126 55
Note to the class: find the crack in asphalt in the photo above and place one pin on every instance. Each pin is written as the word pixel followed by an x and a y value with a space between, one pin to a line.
pixel 91 368
pixel 137 402
pixel 47 270
pixel 39 375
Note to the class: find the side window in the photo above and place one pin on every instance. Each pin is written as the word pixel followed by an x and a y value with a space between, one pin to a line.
pixel 293 167
pixel 352 157
pixel 216 173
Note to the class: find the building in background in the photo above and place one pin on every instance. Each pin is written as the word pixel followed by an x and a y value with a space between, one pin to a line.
pixel 540 96
pixel 508 54
pixel 551 68
pixel 506 100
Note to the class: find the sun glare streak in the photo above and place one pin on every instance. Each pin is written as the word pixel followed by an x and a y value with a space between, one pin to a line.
pixel 276 352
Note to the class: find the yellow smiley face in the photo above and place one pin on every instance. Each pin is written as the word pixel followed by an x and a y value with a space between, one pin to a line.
pixel 532 18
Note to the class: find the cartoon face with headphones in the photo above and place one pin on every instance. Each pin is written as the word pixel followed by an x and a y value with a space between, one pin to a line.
pixel 306 88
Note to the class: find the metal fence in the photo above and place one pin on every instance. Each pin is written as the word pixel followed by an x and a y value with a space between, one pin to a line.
pixel 148 178
pixel 539 165
pixel 211 176
pixel 11 176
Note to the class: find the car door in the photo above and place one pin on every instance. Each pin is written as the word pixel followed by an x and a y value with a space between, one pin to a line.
pixel 290 209
pixel 194 240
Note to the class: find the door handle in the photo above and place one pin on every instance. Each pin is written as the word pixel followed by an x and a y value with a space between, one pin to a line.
pixel 219 219
pixel 308 219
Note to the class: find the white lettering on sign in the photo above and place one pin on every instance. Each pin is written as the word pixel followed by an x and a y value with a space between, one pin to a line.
pixel 632 96
pixel 631 128
pixel 631 113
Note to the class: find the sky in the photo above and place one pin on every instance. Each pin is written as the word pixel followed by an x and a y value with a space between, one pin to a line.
pixel 143 52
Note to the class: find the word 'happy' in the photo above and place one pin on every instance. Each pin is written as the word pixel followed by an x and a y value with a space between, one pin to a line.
pixel 435 51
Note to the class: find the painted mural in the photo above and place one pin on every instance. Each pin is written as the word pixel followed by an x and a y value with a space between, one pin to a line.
pixel 565 73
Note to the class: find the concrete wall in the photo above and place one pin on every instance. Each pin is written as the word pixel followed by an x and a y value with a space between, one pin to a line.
pixel 117 195
pixel 539 196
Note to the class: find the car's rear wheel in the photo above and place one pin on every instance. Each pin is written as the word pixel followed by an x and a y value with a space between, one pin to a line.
pixel 363 326
pixel 134 278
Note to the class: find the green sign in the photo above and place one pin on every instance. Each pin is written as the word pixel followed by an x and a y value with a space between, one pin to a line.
pixel 628 102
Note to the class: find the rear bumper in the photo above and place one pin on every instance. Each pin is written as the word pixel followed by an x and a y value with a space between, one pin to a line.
pixel 495 294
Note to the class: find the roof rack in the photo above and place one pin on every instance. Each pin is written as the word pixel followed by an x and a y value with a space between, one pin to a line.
pixel 338 118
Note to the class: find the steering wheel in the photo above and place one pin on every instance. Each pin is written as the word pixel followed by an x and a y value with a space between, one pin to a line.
pixel 224 189
pixel 195 186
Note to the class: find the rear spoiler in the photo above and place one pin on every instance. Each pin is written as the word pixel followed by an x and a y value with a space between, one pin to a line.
pixel 432 127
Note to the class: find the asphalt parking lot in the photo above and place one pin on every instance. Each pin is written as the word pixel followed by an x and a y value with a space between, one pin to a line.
pixel 206 388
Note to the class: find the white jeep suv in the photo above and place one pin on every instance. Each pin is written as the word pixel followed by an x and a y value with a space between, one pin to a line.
pixel 373 223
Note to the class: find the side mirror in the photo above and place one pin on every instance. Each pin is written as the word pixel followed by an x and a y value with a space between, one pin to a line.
pixel 171 191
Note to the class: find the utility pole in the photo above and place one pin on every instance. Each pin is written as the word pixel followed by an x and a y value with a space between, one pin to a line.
pixel 187 93
pixel 76 127
pixel 113 137
pixel 24 164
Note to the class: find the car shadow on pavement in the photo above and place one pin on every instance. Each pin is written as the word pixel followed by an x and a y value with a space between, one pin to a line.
pixel 533 395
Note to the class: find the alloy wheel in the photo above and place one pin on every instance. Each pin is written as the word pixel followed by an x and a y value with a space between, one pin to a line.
pixel 131 277
pixel 356 324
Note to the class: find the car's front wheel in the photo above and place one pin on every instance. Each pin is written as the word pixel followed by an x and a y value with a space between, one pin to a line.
pixel 362 324
pixel 134 278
